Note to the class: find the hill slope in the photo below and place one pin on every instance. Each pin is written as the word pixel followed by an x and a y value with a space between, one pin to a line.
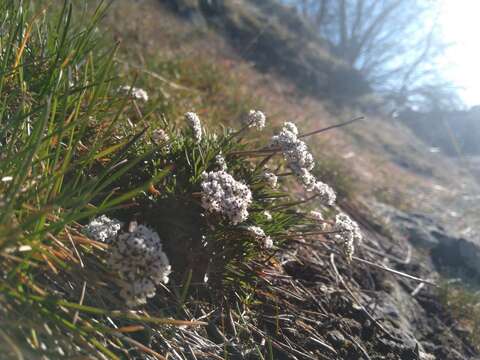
pixel 332 309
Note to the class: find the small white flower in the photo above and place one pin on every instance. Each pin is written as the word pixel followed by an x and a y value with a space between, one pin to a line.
pixel 316 215
pixel 136 93
pixel 256 230
pixel 307 179
pixel 271 179
pixel 140 262
pixel 294 150
pixel 325 193
pixel 290 126
pixel 267 242
pixel 220 162
pixel 348 234
pixel 7 178
pixel 259 234
pixel 195 124
pixel 223 194
pixel 267 215
pixel 103 229
pixel 256 119
pixel 159 136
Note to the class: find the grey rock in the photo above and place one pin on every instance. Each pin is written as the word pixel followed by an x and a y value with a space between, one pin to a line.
pixel 422 231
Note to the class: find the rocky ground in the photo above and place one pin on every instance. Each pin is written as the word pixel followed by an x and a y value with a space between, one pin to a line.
pixel 312 304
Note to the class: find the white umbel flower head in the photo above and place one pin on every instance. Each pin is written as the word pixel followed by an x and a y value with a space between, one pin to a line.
pixel 316 215
pixel 267 242
pixel 294 150
pixel 325 193
pixel 256 119
pixel 159 136
pixel 136 93
pixel 290 126
pixel 220 162
pixel 223 194
pixel 307 179
pixel 301 161
pixel 140 262
pixel 271 179
pixel 256 230
pixel 195 124
pixel 259 234
pixel 103 229
pixel 348 234
pixel 268 215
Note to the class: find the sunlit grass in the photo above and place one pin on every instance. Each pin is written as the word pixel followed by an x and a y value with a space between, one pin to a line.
pixel 57 156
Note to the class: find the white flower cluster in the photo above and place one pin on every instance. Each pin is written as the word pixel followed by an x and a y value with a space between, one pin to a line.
pixel 301 161
pixel 259 234
pixel 271 179
pixel 195 124
pixel 348 232
pixel 316 215
pixel 220 162
pixel 294 150
pixel 291 127
pixel 256 119
pixel 159 136
pixel 325 193
pixel 138 258
pixel 103 229
pixel 268 215
pixel 136 93
pixel 222 193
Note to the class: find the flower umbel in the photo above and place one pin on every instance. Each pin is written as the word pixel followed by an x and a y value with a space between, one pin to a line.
pixel 103 229
pixel 348 233
pixel 290 126
pixel 139 260
pixel 159 136
pixel 220 162
pixel 301 161
pixel 256 119
pixel 325 193
pixel 316 215
pixel 271 179
pixel 195 124
pixel 268 215
pixel 223 194
pixel 294 150
pixel 266 241
pixel 136 93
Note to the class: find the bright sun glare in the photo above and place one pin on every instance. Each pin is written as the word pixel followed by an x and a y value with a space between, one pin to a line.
pixel 460 21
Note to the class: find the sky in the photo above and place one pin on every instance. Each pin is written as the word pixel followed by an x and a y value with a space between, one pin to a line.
pixel 460 21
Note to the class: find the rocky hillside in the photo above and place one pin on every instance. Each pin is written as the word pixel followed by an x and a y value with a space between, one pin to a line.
pixel 313 305
pixel 268 35
pixel 455 133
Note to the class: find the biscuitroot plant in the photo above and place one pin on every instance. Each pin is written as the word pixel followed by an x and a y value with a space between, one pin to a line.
pixel 222 207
